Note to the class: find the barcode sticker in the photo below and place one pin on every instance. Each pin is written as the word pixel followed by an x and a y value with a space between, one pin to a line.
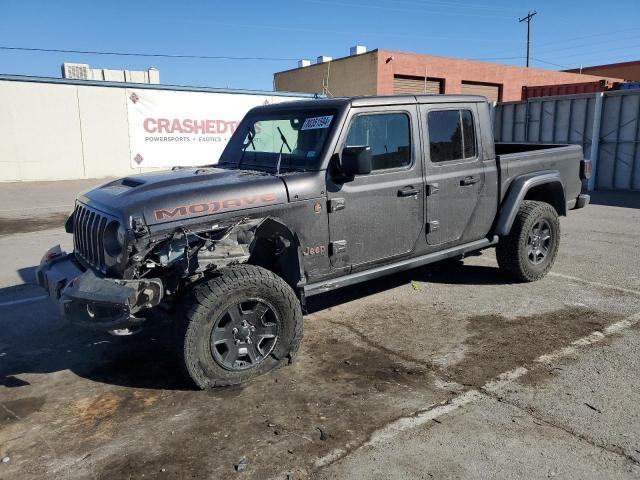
pixel 314 123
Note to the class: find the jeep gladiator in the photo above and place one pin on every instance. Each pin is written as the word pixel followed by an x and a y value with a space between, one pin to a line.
pixel 307 197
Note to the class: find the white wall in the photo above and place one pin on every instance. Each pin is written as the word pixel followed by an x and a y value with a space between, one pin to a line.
pixel 62 132
pixel 52 130
pixel 40 129
pixel 105 134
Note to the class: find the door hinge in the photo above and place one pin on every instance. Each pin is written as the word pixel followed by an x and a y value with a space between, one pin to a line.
pixel 336 204
pixel 338 246
pixel 433 189
pixel 433 226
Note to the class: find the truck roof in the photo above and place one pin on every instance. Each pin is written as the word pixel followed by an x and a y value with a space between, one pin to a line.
pixel 369 101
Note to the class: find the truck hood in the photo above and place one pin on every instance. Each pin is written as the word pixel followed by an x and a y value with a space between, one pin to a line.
pixel 166 196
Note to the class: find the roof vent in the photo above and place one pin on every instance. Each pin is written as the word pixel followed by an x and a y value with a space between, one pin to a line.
pixel 323 59
pixel 304 63
pixel 357 50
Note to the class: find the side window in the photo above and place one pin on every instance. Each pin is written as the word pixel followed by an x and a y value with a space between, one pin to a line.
pixel 451 135
pixel 469 134
pixel 387 134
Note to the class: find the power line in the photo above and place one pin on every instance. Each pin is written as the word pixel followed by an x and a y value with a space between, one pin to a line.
pixel 550 63
pixel 583 45
pixel 602 50
pixel 562 40
pixel 448 4
pixel 153 55
pixel 404 10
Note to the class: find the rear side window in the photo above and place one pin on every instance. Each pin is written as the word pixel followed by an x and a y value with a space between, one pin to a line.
pixel 387 134
pixel 451 135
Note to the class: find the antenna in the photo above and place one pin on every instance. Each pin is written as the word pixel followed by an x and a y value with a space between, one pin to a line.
pixel 425 79
pixel 325 82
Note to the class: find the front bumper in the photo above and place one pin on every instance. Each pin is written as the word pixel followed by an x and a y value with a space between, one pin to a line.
pixel 85 299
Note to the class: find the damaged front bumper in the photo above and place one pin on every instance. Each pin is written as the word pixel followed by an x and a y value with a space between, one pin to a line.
pixel 86 299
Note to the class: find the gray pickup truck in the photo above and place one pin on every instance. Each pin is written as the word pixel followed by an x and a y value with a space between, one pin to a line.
pixel 307 197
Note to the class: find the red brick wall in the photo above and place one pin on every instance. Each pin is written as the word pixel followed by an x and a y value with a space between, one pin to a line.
pixel 627 70
pixel 455 71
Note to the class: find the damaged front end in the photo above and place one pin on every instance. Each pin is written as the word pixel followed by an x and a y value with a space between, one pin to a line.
pixel 156 267
pixel 185 255
pixel 86 299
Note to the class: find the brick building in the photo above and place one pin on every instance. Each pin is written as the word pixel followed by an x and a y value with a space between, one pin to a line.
pixel 386 72
pixel 630 71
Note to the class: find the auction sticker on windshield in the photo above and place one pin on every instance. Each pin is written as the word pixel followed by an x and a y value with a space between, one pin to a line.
pixel 314 123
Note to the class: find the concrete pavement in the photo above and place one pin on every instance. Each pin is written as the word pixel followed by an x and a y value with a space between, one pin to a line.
pixel 441 372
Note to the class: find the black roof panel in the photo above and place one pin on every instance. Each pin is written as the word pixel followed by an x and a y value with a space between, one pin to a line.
pixel 341 102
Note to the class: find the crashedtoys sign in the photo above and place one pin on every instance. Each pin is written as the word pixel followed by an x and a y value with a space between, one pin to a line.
pixel 182 128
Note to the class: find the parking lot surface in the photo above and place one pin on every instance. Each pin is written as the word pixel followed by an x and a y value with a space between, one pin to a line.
pixel 447 371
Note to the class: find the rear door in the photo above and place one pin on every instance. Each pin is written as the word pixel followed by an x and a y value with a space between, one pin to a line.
pixel 380 215
pixel 454 172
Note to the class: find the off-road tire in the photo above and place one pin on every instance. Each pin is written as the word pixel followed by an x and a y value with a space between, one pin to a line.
pixel 201 307
pixel 512 250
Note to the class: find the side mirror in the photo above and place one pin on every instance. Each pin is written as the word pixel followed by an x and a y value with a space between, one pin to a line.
pixel 356 161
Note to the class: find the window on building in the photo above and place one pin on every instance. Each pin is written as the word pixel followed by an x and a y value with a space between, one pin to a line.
pixel 451 135
pixel 388 135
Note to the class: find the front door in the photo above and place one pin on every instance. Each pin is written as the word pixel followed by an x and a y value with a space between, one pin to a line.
pixel 380 215
pixel 455 173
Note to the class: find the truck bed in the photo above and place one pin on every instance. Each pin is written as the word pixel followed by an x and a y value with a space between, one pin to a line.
pixel 514 159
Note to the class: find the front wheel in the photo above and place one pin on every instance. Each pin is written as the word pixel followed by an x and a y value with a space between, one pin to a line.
pixel 529 251
pixel 238 325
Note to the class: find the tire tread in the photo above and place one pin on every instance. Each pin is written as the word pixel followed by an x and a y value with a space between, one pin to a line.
pixel 199 301
pixel 509 249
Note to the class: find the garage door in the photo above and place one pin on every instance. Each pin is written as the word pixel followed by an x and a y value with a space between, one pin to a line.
pixel 415 85
pixel 492 92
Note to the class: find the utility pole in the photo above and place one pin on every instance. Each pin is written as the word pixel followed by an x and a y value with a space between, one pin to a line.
pixel 528 20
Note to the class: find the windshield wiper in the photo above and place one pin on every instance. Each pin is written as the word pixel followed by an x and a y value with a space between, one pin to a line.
pixel 284 142
pixel 244 148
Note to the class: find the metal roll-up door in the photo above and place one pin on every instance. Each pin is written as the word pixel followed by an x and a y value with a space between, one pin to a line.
pixel 492 92
pixel 415 86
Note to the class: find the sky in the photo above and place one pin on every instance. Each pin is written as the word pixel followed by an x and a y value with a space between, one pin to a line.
pixel 565 34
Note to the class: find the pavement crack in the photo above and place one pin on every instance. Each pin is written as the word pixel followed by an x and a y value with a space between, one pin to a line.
pixel 535 415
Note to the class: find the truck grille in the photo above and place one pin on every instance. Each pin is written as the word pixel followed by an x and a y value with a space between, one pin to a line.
pixel 88 233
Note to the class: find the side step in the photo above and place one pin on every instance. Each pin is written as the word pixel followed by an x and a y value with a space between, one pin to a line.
pixel 407 264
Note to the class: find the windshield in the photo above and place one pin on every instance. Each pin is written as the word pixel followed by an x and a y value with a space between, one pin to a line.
pixel 280 141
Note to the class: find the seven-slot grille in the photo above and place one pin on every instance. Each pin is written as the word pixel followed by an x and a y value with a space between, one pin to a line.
pixel 88 233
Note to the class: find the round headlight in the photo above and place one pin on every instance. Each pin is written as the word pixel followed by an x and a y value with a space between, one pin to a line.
pixel 113 240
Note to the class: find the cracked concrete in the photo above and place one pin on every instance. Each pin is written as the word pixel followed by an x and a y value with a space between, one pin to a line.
pixel 372 356
pixel 483 439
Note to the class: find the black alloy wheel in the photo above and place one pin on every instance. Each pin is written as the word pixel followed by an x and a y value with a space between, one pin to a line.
pixel 237 325
pixel 528 252
pixel 245 334
pixel 539 241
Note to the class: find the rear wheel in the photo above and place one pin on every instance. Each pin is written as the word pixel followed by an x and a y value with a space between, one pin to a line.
pixel 239 325
pixel 531 247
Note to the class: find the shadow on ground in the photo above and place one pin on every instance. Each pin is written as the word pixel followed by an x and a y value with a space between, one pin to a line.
pixel 37 340
pixel 625 199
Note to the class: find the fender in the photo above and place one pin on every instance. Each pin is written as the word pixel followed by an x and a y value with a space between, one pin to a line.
pixel 518 191
pixel 289 264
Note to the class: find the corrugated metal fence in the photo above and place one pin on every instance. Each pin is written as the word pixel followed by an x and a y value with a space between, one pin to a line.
pixel 613 118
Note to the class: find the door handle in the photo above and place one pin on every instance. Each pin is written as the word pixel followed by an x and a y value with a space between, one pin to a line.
pixel 408 191
pixel 466 181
